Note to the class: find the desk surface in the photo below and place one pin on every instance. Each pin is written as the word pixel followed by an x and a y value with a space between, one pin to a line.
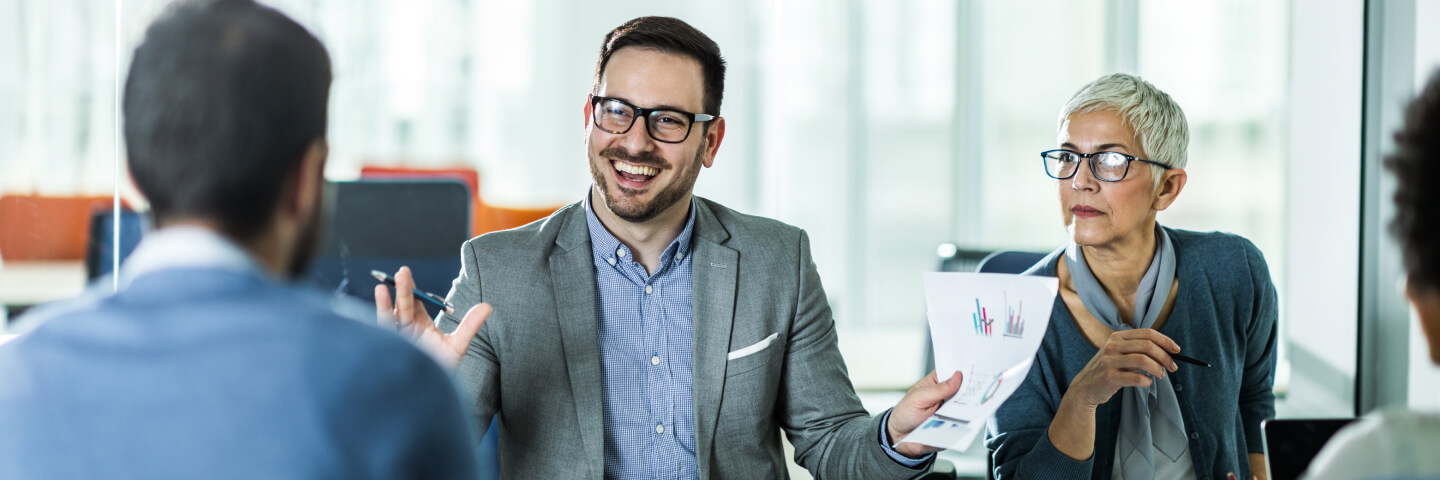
pixel 35 282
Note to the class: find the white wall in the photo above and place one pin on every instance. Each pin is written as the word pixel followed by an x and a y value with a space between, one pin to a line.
pixel 1424 379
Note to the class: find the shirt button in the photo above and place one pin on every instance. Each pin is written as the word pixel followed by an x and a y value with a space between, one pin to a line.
pixel 659 429
pixel 611 260
pixel 620 252
pixel 648 289
pixel 655 360
pixel 679 256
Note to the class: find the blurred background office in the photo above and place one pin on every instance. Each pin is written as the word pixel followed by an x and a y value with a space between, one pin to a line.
pixel 894 131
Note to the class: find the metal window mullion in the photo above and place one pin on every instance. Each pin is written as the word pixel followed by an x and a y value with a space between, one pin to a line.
pixel 966 140
pixel 856 205
pixel 1383 348
pixel 1122 37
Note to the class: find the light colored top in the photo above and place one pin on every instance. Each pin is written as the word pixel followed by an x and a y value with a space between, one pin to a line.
pixel 188 247
pixel 1182 468
pixel 1392 443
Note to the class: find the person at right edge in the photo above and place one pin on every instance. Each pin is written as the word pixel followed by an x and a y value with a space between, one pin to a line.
pixel 1105 398
pixel 1400 443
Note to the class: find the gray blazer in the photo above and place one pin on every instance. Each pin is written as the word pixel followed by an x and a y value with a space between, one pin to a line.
pixel 536 361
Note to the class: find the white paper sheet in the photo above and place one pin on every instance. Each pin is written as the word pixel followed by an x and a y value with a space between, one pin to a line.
pixel 987 326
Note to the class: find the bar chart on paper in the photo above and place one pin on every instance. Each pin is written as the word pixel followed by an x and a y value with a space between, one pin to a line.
pixel 987 327
pixel 1012 323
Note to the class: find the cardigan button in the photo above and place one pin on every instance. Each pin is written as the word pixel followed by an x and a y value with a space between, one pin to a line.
pixel 1178 388
pixel 1194 435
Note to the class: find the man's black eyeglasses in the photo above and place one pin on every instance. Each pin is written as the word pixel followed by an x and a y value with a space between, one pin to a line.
pixel 670 126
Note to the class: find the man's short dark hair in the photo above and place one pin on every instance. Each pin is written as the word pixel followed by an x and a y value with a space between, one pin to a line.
pixel 669 35
pixel 1417 200
pixel 223 99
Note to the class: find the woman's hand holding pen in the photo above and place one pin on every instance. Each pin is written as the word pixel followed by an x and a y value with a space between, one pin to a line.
pixel 1119 364
pixel 410 319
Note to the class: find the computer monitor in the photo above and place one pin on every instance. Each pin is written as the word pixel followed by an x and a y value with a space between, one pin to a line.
pixel 1291 444
pixel 384 224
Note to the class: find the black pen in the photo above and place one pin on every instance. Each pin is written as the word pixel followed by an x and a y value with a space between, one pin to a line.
pixel 1189 360
pixel 439 301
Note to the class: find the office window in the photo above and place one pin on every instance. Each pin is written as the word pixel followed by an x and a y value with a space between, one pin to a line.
pixel 57 97
pixel 1031 58
pixel 883 128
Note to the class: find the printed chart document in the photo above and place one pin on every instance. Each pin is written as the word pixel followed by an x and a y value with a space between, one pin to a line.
pixel 987 326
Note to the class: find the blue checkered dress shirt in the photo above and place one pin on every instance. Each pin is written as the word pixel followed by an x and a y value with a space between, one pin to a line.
pixel 645 346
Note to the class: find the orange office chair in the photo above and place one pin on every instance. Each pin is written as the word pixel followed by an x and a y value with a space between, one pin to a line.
pixel 41 227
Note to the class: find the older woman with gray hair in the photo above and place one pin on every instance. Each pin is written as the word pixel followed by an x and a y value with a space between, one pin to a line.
pixel 1106 398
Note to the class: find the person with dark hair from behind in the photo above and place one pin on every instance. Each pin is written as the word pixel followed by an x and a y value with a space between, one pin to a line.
pixel 1399 443
pixel 205 363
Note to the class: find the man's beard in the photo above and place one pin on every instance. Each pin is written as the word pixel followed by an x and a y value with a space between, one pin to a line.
pixel 309 242
pixel 634 211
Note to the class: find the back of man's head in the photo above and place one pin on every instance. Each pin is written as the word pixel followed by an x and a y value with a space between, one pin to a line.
pixel 223 99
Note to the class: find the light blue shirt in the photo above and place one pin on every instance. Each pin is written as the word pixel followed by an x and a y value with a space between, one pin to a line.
pixel 203 365
pixel 645 349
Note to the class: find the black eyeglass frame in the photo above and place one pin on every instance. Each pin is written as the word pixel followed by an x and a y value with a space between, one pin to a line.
pixel 645 112
pixel 1090 159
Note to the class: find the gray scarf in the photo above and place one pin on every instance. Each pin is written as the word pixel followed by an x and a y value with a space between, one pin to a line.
pixel 1148 416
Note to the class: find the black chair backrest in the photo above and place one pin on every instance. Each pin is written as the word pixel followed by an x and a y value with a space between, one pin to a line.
pixel 102 246
pixel 1008 261
pixel 385 224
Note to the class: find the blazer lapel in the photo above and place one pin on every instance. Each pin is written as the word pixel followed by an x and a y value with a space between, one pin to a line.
pixel 572 275
pixel 714 269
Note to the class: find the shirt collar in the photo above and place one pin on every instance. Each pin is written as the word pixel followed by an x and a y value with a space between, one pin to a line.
pixel 605 245
pixel 187 247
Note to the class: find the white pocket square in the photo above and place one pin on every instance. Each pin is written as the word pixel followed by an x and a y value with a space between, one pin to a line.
pixel 750 350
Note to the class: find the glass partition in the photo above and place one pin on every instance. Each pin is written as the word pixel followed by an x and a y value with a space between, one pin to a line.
pixel 58 148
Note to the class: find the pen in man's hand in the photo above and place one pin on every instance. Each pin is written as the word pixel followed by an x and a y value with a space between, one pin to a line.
pixel 439 301
pixel 1189 360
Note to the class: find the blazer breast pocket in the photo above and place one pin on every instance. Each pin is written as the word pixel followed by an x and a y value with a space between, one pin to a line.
pixel 752 356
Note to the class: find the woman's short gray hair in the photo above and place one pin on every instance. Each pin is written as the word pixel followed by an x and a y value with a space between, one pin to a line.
pixel 1158 121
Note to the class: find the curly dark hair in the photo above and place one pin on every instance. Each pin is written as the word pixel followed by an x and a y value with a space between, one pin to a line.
pixel 1417 199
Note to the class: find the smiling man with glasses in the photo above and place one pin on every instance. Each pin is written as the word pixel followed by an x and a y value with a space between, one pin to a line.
pixel 644 332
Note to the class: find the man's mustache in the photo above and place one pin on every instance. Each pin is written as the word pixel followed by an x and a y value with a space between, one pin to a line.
pixel 644 159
